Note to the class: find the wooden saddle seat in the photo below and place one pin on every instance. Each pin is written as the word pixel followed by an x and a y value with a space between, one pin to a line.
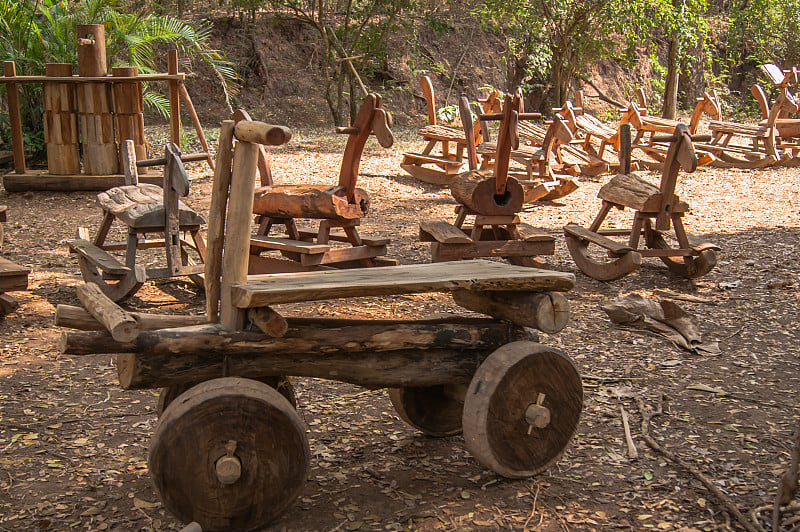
pixel 142 206
pixel 310 201
pixel 634 192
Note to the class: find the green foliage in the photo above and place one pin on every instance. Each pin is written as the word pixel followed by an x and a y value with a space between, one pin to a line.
pixel 765 31
pixel 352 37
pixel 36 32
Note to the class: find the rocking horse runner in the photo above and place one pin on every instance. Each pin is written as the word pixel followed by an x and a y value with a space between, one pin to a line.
pixel 340 206
pixel 690 259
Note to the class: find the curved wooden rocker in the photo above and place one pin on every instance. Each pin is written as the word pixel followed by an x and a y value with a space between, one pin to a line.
pixel 656 211
pixel 647 126
pixel 443 156
pixel 341 206
pixel 494 198
pixel 144 209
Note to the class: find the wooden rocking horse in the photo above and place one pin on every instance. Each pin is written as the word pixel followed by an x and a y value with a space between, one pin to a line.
pixel 494 198
pixel 144 209
pixel 341 206
pixel 656 211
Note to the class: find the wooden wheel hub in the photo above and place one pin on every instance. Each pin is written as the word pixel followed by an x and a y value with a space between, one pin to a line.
pixel 229 467
pixel 537 415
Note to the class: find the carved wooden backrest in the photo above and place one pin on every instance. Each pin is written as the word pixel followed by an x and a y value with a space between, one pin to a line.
pixel 761 98
pixel 427 90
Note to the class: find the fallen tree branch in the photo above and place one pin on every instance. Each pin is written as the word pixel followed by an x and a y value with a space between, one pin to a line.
pixel 601 95
pixel 672 457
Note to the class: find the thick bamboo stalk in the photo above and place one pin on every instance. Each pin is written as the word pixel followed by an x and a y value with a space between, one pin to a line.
pixel 128 106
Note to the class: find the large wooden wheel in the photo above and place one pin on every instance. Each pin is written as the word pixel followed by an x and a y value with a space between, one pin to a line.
pixel 522 408
pixel 690 267
pixel 282 384
pixel 434 410
pixel 599 267
pixel 230 454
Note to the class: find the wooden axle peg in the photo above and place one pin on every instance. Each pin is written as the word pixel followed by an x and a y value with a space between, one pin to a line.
pixel 229 467
pixel 122 326
pixel 269 321
pixel 537 415
pixel 261 133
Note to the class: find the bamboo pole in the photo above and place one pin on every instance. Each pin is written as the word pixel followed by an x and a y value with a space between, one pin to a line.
pixel 196 121
pixel 174 103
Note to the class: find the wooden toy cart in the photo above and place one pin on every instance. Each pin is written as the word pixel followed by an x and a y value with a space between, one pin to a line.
pixel 691 257
pixel 231 453
pixel 495 199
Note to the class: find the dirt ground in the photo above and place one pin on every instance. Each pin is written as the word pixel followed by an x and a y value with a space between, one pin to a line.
pixel 73 444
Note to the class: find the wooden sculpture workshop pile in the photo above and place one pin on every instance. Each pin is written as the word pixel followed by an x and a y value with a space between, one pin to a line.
pixel 495 199
pixel 231 453
pixel 656 210
pixel 89 116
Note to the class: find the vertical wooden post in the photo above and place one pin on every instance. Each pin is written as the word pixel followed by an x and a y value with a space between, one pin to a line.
pixel 10 71
pixel 128 106
pixel 216 220
pixel 625 148
pixel 174 103
pixel 237 233
pixel 60 122
pixel 100 156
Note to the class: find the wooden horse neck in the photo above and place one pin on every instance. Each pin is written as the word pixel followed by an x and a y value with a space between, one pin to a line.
pixel 505 141
pixel 368 117
pixel 469 132
pixel 681 154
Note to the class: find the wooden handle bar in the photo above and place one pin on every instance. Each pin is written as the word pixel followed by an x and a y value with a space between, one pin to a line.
pixel 188 158
pixel 670 138
pixel 499 116
pixel 261 133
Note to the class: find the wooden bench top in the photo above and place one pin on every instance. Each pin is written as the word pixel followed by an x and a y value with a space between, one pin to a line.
pixel 437 132
pixel 142 206
pixel 264 290
pixel 735 128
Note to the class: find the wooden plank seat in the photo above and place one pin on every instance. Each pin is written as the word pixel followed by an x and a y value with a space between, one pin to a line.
pixel 656 210
pixel 735 128
pixel 442 133
pixel 142 206
pixel 340 206
pixel 477 275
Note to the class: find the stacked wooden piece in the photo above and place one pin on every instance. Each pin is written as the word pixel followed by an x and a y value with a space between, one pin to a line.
pixel 13 277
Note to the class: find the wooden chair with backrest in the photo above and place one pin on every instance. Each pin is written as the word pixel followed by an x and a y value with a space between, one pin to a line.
pixel 143 209
pixel 788 128
pixel 656 211
pixel 341 206
pixel 443 156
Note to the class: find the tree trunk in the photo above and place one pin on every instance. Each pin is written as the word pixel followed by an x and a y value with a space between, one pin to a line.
pixel 671 85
